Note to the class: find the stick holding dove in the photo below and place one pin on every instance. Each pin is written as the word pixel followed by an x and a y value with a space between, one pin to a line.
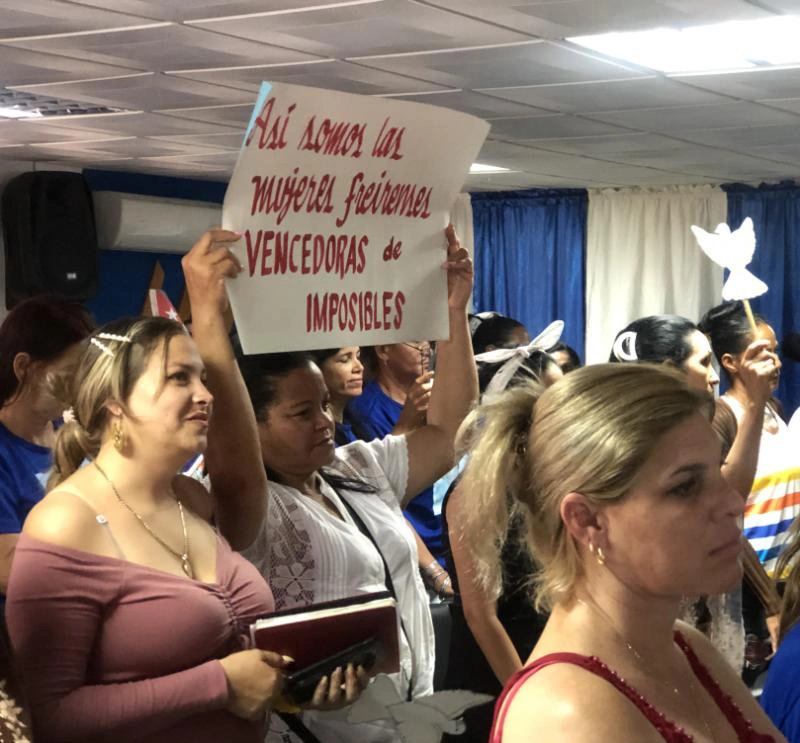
pixel 734 251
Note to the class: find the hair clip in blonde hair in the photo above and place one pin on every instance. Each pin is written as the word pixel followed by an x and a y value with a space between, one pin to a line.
pixel 109 337
pixel 625 346
pixel 114 337
pixel 102 346
pixel 68 416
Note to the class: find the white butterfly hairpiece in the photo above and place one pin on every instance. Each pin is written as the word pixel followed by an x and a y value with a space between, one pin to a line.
pixel 513 358
pixel 734 251
pixel 422 721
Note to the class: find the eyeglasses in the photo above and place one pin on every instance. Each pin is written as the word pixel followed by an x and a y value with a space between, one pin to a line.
pixel 423 349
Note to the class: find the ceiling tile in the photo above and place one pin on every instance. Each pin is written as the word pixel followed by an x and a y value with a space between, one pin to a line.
pixel 783 6
pixel 785 104
pixel 60 151
pixel 684 118
pixel 607 95
pixel 477 104
pixel 512 181
pixel 544 127
pixel 695 158
pixel 162 47
pixel 528 63
pixel 38 131
pixel 330 74
pixel 22 67
pixel 561 18
pixel 788 154
pixel 610 145
pixel 751 85
pixel 504 154
pixel 33 18
pixel 235 115
pixel 143 147
pixel 144 91
pixel 232 140
pixel 389 26
pixel 746 137
pixel 180 10
pixel 131 123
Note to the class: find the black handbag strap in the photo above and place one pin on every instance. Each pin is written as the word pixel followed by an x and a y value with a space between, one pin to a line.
pixel 298 727
pixel 364 529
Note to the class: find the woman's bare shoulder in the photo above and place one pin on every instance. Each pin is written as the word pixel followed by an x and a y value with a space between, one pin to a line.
pixel 65 519
pixel 564 702
pixel 727 679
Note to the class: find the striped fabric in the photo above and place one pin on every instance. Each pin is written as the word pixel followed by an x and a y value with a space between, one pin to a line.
pixel 772 506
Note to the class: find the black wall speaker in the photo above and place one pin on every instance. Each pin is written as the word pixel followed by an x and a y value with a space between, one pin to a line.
pixel 50 238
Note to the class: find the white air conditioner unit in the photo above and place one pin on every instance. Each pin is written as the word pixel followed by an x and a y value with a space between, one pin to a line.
pixel 132 222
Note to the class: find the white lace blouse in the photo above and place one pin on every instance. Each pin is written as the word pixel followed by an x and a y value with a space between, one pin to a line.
pixel 308 555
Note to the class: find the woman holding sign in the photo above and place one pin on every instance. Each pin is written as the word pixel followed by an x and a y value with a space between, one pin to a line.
pixel 335 523
pixel 125 606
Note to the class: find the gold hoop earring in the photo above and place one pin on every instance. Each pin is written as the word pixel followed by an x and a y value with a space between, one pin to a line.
pixel 118 436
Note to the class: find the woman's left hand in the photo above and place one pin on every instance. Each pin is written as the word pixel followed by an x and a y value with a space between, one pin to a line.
pixel 460 274
pixel 207 265
pixel 339 690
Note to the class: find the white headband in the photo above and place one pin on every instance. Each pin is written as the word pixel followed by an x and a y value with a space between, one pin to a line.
pixel 513 358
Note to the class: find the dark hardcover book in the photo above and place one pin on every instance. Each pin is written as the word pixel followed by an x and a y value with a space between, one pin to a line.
pixel 312 634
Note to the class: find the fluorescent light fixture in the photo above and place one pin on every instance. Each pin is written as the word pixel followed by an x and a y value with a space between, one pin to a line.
pixel 733 45
pixel 18 113
pixel 481 168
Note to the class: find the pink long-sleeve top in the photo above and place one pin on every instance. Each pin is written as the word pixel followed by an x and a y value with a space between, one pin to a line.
pixel 110 650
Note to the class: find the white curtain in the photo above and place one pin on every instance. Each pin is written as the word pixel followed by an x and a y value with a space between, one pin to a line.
pixel 642 259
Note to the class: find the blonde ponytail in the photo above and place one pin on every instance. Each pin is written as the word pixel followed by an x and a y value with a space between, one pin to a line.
pixel 110 363
pixel 73 445
pixel 589 433
pixel 497 437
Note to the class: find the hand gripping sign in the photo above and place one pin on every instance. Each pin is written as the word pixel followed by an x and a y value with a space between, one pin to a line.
pixel 342 201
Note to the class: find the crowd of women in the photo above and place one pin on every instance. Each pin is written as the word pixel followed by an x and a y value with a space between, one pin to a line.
pixel 614 547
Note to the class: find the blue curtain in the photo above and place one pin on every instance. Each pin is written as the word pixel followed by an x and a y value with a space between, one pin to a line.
pixel 775 211
pixel 530 256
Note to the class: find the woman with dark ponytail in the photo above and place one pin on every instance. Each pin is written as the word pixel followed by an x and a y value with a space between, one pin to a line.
pixel 748 418
pixel 759 461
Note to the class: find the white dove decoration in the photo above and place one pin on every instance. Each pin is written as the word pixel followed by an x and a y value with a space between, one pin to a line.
pixel 422 721
pixel 734 251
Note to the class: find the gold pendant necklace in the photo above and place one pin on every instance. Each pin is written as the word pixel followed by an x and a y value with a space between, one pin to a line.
pixel 186 566
pixel 643 667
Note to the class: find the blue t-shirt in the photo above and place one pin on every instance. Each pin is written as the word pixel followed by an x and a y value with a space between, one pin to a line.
pixel 344 433
pixel 24 469
pixel 375 414
pixel 781 696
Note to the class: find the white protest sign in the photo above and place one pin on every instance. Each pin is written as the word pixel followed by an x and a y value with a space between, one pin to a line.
pixel 342 201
